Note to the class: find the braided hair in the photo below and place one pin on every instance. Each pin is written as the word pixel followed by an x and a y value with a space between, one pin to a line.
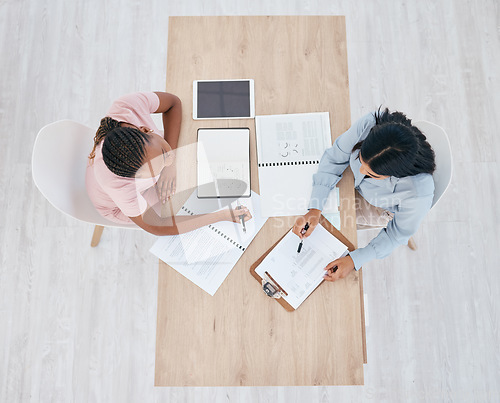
pixel 394 147
pixel 107 124
pixel 123 149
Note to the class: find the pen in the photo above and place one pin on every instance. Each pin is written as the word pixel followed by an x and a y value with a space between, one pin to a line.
pixel 303 231
pixel 242 219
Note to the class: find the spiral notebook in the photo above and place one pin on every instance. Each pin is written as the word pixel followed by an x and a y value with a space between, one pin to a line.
pixel 207 255
pixel 289 149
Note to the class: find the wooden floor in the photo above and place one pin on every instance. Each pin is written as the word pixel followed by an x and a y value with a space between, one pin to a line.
pixel 78 324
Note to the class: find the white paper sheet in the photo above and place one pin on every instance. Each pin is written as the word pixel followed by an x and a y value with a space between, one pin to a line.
pixel 207 255
pixel 300 273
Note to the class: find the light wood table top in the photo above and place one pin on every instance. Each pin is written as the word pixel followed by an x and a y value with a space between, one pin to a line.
pixel 239 337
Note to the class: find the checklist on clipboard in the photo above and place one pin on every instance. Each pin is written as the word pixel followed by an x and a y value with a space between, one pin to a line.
pixel 297 275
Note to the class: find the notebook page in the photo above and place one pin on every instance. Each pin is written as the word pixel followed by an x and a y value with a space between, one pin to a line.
pixel 289 148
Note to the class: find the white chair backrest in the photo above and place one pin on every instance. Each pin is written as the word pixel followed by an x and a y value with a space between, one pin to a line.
pixel 59 163
pixel 438 139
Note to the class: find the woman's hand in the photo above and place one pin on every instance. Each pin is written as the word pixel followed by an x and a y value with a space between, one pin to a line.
pixel 234 215
pixel 339 268
pixel 312 217
pixel 166 183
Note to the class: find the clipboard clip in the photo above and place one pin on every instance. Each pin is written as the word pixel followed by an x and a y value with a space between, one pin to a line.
pixel 271 288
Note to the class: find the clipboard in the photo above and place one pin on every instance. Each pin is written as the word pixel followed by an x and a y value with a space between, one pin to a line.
pixel 330 228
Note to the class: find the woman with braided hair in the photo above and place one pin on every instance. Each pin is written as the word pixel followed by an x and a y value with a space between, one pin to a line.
pixel 392 165
pixel 132 165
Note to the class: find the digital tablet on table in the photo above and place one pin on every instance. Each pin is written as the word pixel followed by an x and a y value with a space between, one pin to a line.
pixel 223 99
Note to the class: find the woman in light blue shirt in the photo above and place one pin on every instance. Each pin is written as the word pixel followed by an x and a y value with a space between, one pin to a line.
pixel 392 165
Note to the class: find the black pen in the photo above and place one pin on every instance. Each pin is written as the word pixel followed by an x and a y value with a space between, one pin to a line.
pixel 303 231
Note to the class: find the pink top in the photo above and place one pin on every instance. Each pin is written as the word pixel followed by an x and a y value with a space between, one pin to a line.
pixel 117 198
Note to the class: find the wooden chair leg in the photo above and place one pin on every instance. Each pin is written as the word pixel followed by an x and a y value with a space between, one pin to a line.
pixel 97 235
pixel 411 244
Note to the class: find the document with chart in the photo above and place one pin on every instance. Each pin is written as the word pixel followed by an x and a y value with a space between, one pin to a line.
pixel 289 148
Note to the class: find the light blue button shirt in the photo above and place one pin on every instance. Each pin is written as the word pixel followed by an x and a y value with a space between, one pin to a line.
pixel 409 198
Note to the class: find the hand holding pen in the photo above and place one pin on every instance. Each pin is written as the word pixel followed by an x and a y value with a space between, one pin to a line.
pixel 302 232
pixel 311 218
pixel 242 219
pixel 240 214
pixel 339 268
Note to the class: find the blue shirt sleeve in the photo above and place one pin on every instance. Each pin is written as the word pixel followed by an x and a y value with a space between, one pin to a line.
pixel 336 159
pixel 407 218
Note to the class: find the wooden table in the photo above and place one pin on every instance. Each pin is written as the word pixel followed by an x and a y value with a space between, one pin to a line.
pixel 239 336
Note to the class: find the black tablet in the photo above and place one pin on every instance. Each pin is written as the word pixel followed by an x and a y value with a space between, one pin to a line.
pixel 223 99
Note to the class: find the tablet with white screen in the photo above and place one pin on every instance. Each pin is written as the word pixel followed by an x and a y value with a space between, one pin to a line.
pixel 223 157
pixel 223 99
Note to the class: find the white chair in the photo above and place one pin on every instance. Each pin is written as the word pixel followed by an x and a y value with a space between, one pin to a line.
pixel 59 162
pixel 438 139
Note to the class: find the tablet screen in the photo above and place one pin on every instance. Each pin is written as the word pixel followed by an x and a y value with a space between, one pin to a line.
pixel 223 99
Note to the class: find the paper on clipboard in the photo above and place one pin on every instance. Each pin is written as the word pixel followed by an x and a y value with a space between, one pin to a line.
pixel 298 274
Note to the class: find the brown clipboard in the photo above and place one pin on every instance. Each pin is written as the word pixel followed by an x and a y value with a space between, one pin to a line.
pixel 330 228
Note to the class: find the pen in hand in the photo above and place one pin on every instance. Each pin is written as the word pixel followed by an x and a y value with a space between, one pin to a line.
pixel 242 219
pixel 302 231
pixel 330 271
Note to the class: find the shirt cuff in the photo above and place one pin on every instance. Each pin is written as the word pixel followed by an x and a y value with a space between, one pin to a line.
pixel 362 255
pixel 319 195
